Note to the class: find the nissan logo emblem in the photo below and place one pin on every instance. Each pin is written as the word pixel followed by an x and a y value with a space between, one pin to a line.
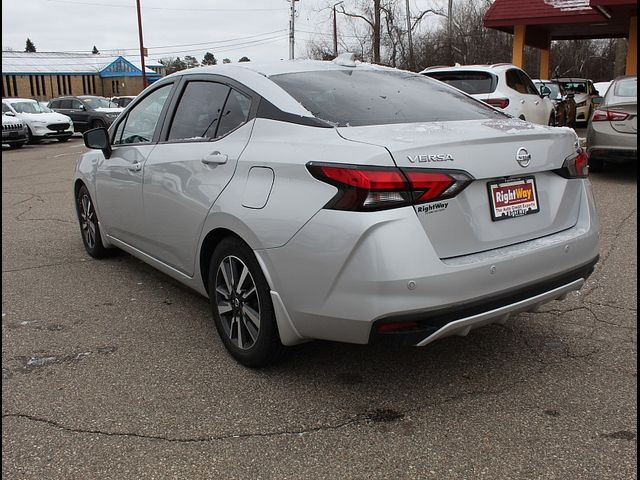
pixel 523 157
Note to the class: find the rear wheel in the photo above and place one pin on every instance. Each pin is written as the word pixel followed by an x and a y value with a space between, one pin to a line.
pixel 241 305
pixel 16 145
pixel 553 122
pixel 89 226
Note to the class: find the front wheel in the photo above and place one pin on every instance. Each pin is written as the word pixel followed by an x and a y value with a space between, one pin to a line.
pixel 98 124
pixel 63 139
pixel 89 226
pixel 241 306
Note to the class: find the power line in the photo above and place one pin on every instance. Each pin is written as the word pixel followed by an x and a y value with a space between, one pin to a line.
pixel 211 44
pixel 122 5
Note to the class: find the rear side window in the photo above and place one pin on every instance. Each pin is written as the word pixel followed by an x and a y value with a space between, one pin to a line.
pixel 379 97
pixel 235 113
pixel 65 104
pixel 472 83
pixel 198 113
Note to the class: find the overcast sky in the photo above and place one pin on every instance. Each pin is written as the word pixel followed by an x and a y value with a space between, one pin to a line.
pixel 227 28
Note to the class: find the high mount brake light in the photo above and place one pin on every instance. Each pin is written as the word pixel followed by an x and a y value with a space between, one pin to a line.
pixel 365 188
pixel 497 102
pixel 602 115
pixel 575 166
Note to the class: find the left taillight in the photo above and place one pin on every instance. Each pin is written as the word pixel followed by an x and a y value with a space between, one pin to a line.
pixel 575 166
pixel 602 115
pixel 366 188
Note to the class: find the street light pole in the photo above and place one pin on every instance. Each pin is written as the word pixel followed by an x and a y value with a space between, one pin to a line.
pixel 335 30
pixel 144 73
pixel 292 30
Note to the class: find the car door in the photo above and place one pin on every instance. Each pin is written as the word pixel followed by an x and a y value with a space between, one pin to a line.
pixel 119 177
pixel 537 109
pixel 78 113
pixel 186 172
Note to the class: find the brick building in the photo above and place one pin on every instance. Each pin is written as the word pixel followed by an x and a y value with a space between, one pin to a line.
pixel 45 75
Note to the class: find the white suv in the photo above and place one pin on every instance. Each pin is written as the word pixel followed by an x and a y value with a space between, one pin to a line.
pixel 42 123
pixel 502 85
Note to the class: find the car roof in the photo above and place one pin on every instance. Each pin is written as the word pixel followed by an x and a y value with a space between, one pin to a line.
pixel 496 67
pixel 16 100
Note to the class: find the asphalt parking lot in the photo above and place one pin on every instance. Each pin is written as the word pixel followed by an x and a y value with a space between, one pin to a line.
pixel 113 370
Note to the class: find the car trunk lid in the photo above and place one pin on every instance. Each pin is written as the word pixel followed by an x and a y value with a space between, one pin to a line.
pixel 629 124
pixel 487 150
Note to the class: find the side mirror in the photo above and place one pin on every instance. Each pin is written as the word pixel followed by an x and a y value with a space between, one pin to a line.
pixel 98 139
pixel 545 91
pixel 597 100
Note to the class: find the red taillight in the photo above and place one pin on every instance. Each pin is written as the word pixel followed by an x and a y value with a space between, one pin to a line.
pixel 397 326
pixel 602 115
pixel 575 166
pixel 363 188
pixel 497 102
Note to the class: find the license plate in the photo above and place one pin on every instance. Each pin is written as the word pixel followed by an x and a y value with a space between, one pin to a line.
pixel 513 198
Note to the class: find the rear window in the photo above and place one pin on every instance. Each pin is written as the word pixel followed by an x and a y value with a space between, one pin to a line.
pixel 370 97
pixel 472 83
pixel 626 88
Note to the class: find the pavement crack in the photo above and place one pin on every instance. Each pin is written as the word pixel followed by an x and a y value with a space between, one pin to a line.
pixel 201 439
pixel 43 266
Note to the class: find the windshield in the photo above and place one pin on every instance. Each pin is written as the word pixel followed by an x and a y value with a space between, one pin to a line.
pixel 626 88
pixel 575 87
pixel 555 89
pixel 98 102
pixel 374 97
pixel 28 107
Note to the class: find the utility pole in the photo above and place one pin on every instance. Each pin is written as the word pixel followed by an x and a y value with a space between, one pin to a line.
pixel 292 30
pixel 450 29
pixel 144 73
pixel 335 30
pixel 409 37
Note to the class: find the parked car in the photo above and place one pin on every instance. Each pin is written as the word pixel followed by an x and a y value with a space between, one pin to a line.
pixel 401 210
pixel 564 104
pixel 503 86
pixel 584 92
pixel 86 111
pixel 612 135
pixel 602 87
pixel 122 101
pixel 41 123
pixel 14 132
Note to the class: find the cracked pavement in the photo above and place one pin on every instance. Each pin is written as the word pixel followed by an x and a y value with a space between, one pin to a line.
pixel 113 370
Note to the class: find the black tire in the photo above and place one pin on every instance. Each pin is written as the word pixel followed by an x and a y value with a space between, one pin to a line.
pixel 596 164
pixel 89 225
pixel 251 346
pixel 552 120
pixel 30 139
pixel 14 146
pixel 63 139
pixel 97 123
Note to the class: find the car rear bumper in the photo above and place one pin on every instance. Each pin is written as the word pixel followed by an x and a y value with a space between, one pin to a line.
pixel 345 272
pixel 605 143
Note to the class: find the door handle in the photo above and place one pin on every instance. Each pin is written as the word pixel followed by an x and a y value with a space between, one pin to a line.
pixel 215 158
pixel 537 102
pixel 135 167
pixel 522 101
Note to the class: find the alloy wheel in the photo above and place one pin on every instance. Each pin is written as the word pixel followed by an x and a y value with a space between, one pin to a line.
pixel 87 221
pixel 237 302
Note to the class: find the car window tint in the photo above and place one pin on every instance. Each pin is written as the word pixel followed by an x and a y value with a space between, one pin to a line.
pixel 198 112
pixel 76 104
pixel 626 88
pixel 142 119
pixel 235 113
pixel 380 97
pixel 472 83
pixel 513 80
pixel 529 87
pixel 5 108
pixel 65 104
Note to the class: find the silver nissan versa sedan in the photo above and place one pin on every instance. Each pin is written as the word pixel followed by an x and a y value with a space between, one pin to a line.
pixel 339 201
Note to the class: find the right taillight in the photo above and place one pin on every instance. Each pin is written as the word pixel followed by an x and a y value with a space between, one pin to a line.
pixel 575 166
pixel 602 115
pixel 365 188
pixel 497 102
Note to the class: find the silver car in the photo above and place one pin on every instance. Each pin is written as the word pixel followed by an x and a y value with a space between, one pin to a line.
pixel 339 201
pixel 612 135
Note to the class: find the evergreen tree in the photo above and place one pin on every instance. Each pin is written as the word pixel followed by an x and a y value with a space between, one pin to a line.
pixel 30 47
pixel 244 59
pixel 95 50
pixel 209 59
pixel 226 60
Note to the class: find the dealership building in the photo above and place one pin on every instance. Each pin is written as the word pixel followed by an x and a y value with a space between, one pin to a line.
pixel 45 75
